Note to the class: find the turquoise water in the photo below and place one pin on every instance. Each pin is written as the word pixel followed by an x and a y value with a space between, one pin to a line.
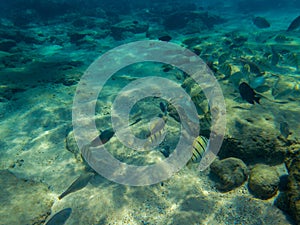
pixel 101 103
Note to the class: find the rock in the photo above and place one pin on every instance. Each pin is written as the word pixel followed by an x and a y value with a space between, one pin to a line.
pixel 229 173
pixel 94 23
pixel 72 146
pixel 293 187
pixel 88 37
pixel 261 22
pixel 262 147
pixel 282 202
pixel 10 33
pixel 280 38
pixel 263 181
pixel 180 19
pixel 8 92
pixel 154 33
pixel 192 41
pixel 177 20
pixel 23 200
pixel 77 36
pixel 134 27
pixel 18 35
pixel 7 44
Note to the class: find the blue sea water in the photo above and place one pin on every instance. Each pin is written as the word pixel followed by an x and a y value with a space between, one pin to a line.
pixel 95 96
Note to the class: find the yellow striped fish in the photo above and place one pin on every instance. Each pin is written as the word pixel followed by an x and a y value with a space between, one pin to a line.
pixel 199 147
pixel 226 69
pixel 157 132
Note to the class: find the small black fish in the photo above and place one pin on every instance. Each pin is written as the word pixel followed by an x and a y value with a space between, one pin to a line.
pixel 165 38
pixel 261 22
pixel 60 217
pixel 104 137
pixel 248 94
pixel 78 184
pixel 294 24
pixel 163 107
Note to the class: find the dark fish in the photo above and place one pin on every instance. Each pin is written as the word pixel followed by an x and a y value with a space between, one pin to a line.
pixel 261 22
pixel 294 24
pixel 223 58
pixel 275 57
pixel 78 184
pixel 226 69
pixel 104 137
pixel 199 147
pixel 248 94
pixel 246 69
pixel 165 151
pixel 60 217
pixel 165 38
pixel 284 129
pixel 254 68
pixel 163 107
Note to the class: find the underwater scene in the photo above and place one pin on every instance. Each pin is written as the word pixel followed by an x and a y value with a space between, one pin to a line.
pixel 153 112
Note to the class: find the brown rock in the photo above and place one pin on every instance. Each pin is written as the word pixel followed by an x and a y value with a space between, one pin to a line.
pixel 7 44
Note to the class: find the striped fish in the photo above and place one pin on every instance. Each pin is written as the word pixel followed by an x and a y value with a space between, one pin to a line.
pixel 293 59
pixel 157 128
pixel 199 147
pixel 226 69
pixel 254 68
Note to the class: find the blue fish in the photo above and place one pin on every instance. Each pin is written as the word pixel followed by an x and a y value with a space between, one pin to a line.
pixel 60 217
pixel 78 184
pixel 258 81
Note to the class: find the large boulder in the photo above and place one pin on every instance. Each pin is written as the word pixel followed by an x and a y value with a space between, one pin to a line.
pixel 263 181
pixel 229 173
pixel 262 146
